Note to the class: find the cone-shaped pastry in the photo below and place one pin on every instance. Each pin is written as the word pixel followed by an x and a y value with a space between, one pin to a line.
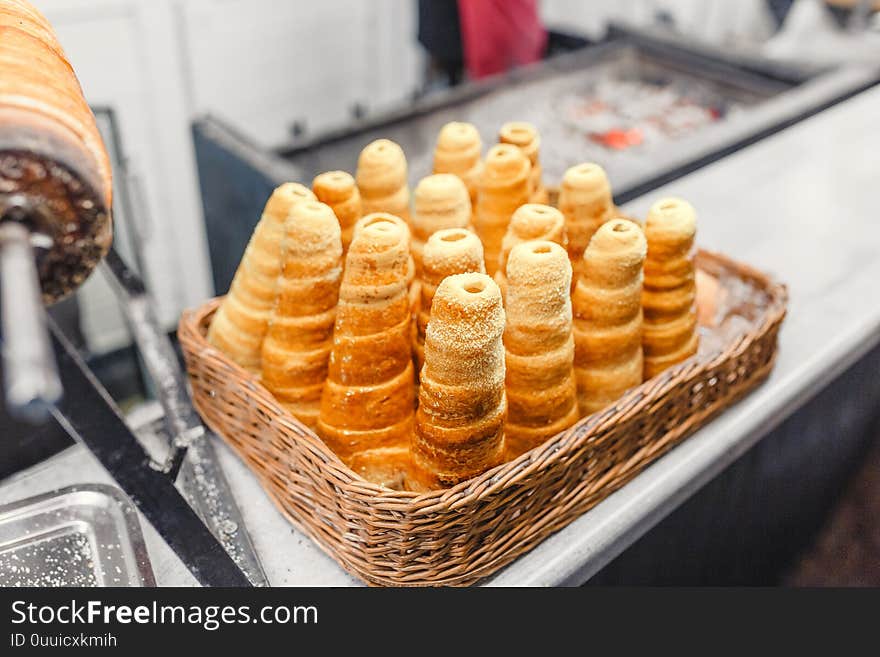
pixel 458 152
pixel 447 252
pixel 297 345
pixel 531 221
pixel 504 186
pixel 541 388
pixel 440 201
pixel 239 326
pixel 367 407
pixel 338 190
pixel 608 315
pixel 462 406
pixel 585 201
pixel 412 283
pixel 381 179
pixel 525 135
pixel 670 334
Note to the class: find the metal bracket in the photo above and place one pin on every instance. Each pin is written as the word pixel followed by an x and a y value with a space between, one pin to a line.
pixel 191 459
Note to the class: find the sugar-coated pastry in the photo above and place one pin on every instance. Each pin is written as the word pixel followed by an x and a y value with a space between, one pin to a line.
pixel 440 201
pixel 669 295
pixel 532 221
pixel 525 135
pixel 447 252
pixel 541 387
pixel 607 305
pixel 367 405
pixel 382 179
pixel 458 152
pixel 412 282
pixel 338 190
pixel 504 186
pixel 239 326
pixel 462 407
pixel 585 201
pixel 297 344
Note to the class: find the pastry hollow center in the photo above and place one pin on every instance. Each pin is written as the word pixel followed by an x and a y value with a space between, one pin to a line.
pixel 454 237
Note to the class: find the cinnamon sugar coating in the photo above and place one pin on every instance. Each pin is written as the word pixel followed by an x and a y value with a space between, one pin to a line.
pixel 382 179
pixel 458 152
pixel 540 381
pixel 366 414
pixel 338 190
pixel 669 296
pixel 296 349
pixel 607 305
pixel 440 201
pixel 585 201
pixel 462 404
pixel 526 137
pixel 447 252
pixel 532 221
pixel 504 186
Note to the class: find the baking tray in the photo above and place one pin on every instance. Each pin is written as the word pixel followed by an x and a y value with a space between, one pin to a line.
pixel 83 536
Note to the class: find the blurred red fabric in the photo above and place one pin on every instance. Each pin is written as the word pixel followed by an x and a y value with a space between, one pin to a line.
pixel 498 35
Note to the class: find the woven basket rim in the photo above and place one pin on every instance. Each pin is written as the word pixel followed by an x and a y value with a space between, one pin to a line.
pixel 193 328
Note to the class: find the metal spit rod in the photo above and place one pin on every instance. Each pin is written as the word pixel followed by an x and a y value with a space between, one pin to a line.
pixel 30 374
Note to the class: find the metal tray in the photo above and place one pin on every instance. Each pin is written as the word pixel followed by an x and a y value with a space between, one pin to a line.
pixel 85 535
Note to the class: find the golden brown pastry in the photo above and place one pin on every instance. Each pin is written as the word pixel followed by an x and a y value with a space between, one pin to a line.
pixel 541 388
pixel 239 326
pixel 525 136
pixel 440 201
pixel 447 252
pixel 458 152
pixel 366 412
pixel 532 221
pixel 338 190
pixel 462 407
pixel 585 201
pixel 300 334
pixel 382 179
pixel 670 334
pixel 412 283
pixel 45 122
pixel 504 186
pixel 608 315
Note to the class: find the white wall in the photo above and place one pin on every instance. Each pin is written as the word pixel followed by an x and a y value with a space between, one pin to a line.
pixel 264 64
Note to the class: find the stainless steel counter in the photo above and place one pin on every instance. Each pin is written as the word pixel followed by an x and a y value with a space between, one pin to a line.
pixel 802 205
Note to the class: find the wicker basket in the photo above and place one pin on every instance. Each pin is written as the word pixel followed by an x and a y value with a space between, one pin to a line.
pixel 459 535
